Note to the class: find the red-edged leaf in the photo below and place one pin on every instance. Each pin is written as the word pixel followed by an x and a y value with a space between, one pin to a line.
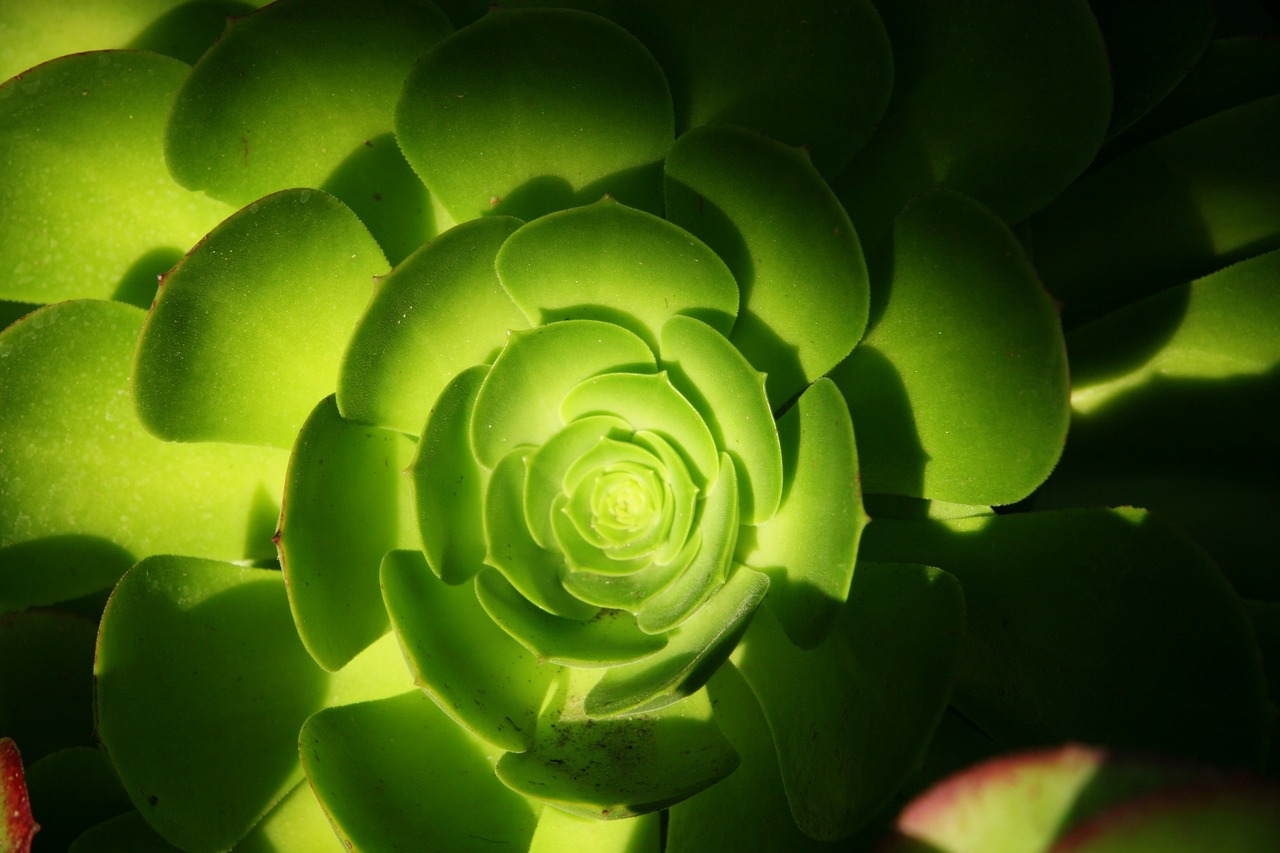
pixel 17 826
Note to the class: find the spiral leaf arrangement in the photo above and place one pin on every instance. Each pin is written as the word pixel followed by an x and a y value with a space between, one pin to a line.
pixel 495 461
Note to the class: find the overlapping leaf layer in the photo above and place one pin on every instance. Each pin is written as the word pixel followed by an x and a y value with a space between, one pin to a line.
pixel 574 347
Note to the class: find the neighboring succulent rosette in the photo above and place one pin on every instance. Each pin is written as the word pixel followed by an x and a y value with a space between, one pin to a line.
pixel 570 501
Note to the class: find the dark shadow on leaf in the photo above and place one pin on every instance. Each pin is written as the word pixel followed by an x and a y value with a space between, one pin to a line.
pixel 763 347
pixel 639 187
pixel 1201 451
pixel 186 31
pixel 1094 627
pixel 139 283
pixel 214 691
pixel 260 527
pixel 12 312
pixel 46 667
pixel 890 455
pixel 378 184
pixel 59 568
pixel 603 314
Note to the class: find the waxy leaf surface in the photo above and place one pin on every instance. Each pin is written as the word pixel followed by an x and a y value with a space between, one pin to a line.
pixel 247 332
pixel 439 312
pixel 959 390
pixel 73 228
pixel 86 491
pixel 575 109
pixel 787 240
pixel 397 773
pixel 610 262
pixel 346 504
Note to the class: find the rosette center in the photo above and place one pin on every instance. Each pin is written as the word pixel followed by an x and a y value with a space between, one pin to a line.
pixel 620 499
pixel 624 502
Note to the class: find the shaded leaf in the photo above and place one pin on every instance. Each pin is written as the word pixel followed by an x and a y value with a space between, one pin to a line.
pixel 398 773
pixel 851 718
pixel 205 744
pixel 979 106
pixel 618 767
pixel 73 229
pixel 788 242
pixel 284 279
pixel 439 312
pixel 959 389
pixel 576 108
pixel 346 504
pixel 86 490
pixel 809 74
pixel 1100 626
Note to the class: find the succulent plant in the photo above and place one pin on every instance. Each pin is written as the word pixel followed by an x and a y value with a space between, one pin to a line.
pixel 579 428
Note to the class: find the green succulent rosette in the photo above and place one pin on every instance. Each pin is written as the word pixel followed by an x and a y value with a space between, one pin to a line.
pixel 494 464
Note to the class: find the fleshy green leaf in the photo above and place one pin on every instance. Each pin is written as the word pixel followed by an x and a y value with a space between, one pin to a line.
pixel 630 592
pixel 808 549
pixel 231 135
pixel 297 822
pixel 648 402
pixel 247 332
pixel 72 228
pixel 559 831
pixel 788 242
pixel 607 261
pixel 346 504
pixel 748 810
pixel 607 639
pixel 729 395
pixel 399 774
pixel 551 462
pixel 39 32
pixel 1230 73
pixel 577 108
pixel 482 678
pixel 978 107
pixel 202 686
pixel 805 73
pixel 448 484
pixel 718 530
pixel 1172 398
pixel 124 833
pixel 71 790
pixel 959 389
pixel 520 401
pixel 46 679
pixel 1150 48
pixel 86 491
pixel 1113 626
pixel 439 312
pixel 694 651
pixel 533 570
pixel 851 718
pixel 1189 203
pixel 619 766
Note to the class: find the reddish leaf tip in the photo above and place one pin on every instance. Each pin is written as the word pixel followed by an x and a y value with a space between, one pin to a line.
pixel 19 826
